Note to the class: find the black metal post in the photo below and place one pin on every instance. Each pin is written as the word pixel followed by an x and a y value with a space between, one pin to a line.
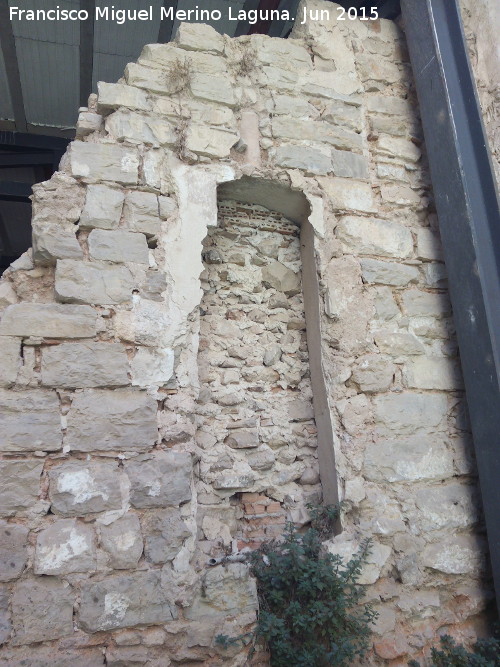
pixel 469 219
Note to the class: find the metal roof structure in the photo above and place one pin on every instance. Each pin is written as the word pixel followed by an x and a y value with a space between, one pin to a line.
pixel 49 68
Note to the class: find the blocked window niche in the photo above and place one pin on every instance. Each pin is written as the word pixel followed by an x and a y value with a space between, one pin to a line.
pixel 255 367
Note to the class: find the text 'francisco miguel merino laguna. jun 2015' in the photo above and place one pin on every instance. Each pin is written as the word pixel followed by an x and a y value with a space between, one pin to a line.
pixel 151 13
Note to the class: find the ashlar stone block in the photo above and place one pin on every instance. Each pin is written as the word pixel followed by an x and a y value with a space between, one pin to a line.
pixel 53 242
pixel 433 373
pixel 425 304
pixel 409 413
pixel 13 550
pixel 29 421
pixel 10 360
pixel 81 365
pixel 311 160
pixel 460 554
pixel 373 372
pixel 93 282
pixel 118 246
pixel 281 278
pixel 122 540
pixel 398 344
pixel 112 420
pixel 348 164
pixel 164 535
pixel 42 609
pixel 160 480
pixel 64 547
pixel 125 601
pixel 48 320
pixel 210 141
pixel 20 485
pixel 84 487
pixel 347 194
pixel 228 591
pixel 212 88
pixel 103 207
pixel 199 37
pixel 388 273
pixel 371 236
pixel 114 95
pixel 408 459
pixel 104 162
pixel 141 213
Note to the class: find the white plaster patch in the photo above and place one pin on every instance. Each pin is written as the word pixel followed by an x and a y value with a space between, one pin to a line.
pixel 81 485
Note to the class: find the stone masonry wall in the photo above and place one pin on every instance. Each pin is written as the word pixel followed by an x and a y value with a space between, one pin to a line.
pixel 155 401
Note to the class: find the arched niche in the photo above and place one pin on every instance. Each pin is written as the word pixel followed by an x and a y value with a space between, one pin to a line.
pixel 296 208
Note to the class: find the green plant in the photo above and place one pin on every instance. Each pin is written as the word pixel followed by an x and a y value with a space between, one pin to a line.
pixel 310 603
pixel 485 653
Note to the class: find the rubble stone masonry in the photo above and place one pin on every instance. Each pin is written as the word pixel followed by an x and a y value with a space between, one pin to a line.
pixel 235 301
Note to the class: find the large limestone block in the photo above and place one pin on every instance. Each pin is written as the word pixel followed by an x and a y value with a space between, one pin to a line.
pixel 454 506
pixel 160 480
pixel 199 37
pixel 104 162
pixel 287 105
pixel 83 365
pixel 375 561
pixel 462 554
pixel 428 245
pixel 311 160
pixel 346 194
pixel 84 487
pixel 48 320
pixel 122 540
pixel 210 141
pixel 114 95
pixel 10 360
pixel 164 535
pixel 281 278
pixel 42 609
pixel 141 213
pixel 138 129
pixel 64 547
pixel 390 105
pixel 373 373
pixel 125 601
pixel 150 78
pixel 58 200
pixel 287 54
pixel 212 88
pixel 409 413
pixel 93 282
pixel 103 207
pixel 29 421
pixel 331 85
pixel 152 367
pixel 374 68
pixel 53 242
pixel 338 112
pixel 425 304
pixel 317 131
pixel 118 246
pixel 401 149
pixel 388 273
pixel 401 195
pixel 227 591
pixel 371 236
pixel 20 485
pixel 398 344
pixel 13 550
pixel 409 459
pixel 106 420
pixel 349 165
pixel 433 373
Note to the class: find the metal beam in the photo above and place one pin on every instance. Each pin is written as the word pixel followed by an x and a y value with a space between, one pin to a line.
pixel 13 191
pixel 167 25
pixel 86 51
pixel 13 160
pixel 469 219
pixel 32 141
pixel 8 45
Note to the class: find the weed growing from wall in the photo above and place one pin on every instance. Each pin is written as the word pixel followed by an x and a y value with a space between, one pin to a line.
pixel 311 612
pixel 485 653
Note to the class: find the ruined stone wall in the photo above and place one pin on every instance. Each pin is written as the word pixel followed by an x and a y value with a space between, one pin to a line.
pixel 156 398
